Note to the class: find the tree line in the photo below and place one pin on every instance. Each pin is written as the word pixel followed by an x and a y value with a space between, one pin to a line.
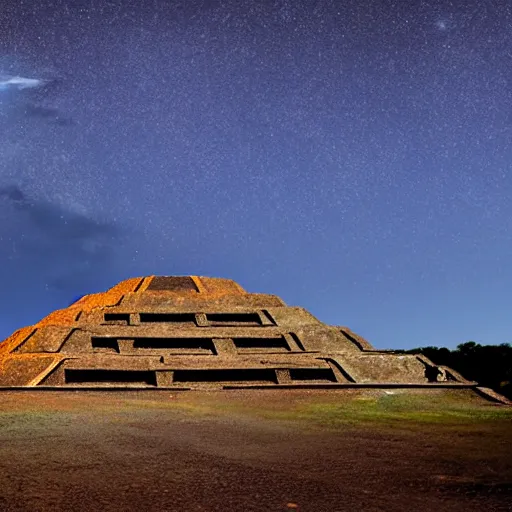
pixel 489 365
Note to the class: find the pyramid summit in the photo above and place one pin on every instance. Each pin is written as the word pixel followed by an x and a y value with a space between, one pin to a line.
pixel 190 332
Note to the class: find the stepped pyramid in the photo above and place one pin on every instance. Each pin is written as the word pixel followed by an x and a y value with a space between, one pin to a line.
pixel 198 332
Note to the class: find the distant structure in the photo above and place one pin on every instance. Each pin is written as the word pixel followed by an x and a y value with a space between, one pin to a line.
pixel 199 332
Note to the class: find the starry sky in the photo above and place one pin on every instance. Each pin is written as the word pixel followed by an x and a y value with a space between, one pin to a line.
pixel 354 158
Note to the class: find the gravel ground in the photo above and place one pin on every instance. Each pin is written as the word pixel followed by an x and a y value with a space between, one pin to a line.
pixel 247 451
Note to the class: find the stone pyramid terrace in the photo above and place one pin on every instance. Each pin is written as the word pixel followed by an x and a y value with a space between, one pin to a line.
pixel 200 332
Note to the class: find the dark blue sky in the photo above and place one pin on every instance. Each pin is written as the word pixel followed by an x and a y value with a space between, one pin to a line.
pixel 352 157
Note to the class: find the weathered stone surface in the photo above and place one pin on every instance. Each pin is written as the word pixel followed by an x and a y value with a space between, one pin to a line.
pixel 200 332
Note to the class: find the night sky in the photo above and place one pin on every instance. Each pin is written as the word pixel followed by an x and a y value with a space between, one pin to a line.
pixel 354 158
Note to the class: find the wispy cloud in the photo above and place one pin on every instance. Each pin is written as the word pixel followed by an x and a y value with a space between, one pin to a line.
pixel 20 82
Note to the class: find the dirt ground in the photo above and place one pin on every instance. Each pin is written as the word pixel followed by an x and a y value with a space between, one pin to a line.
pixel 254 451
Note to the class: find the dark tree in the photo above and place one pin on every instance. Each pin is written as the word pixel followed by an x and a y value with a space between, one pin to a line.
pixel 489 365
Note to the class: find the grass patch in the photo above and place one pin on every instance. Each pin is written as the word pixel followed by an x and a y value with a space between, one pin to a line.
pixel 397 409
pixel 332 411
pixel 394 410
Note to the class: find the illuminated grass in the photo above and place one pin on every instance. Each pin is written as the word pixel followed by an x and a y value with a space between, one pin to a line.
pixel 384 408
pixel 394 410
pixel 391 409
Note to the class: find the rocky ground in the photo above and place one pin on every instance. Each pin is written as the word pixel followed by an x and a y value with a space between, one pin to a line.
pixel 316 451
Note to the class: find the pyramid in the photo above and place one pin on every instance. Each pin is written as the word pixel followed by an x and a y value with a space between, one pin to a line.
pixel 190 332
